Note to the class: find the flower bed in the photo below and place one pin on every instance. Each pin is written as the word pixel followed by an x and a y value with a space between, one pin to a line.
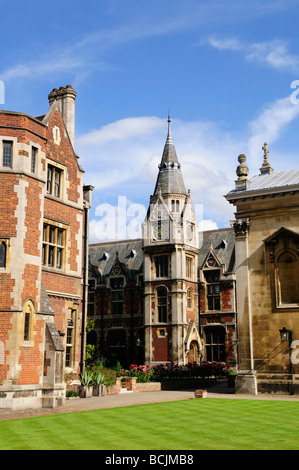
pixel 142 373
pixel 191 371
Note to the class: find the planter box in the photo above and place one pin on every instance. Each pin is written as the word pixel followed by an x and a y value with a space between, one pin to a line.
pixel 86 393
pixel 231 381
pixel 98 391
pixel 202 394
pixel 148 387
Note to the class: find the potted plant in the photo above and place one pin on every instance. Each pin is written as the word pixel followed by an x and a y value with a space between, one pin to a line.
pixel 230 378
pixel 86 384
pixel 98 384
pixel 200 393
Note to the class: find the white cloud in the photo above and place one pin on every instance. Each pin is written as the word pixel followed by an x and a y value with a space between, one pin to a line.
pixel 269 126
pixel 273 53
pixel 122 158
pixel 205 225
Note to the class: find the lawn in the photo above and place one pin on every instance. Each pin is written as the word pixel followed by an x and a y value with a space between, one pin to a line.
pixel 194 424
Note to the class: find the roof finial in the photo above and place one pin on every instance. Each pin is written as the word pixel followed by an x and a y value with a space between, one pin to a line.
pixel 169 130
pixel 242 173
pixel 266 167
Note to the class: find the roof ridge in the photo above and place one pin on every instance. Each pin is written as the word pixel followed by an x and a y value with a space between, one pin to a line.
pixel 116 241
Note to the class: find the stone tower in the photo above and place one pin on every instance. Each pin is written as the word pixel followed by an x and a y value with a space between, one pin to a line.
pixel 170 245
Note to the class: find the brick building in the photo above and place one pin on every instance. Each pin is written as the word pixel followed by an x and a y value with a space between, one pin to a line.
pixel 43 219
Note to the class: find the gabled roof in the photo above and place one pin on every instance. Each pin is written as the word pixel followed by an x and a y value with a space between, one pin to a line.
pixel 281 231
pixel 222 243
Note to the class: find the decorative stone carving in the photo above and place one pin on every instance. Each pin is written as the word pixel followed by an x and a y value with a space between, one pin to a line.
pixel 242 169
pixel 241 227
pixel 266 167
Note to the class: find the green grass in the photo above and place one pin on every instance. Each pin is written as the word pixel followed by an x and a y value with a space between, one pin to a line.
pixel 222 424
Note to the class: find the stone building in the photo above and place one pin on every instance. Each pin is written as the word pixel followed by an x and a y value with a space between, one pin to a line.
pixel 164 298
pixel 266 229
pixel 43 219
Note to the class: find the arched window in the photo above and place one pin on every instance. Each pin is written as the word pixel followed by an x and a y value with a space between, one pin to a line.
pixel 175 205
pixel 3 250
pixel 28 320
pixel 287 270
pixel 162 304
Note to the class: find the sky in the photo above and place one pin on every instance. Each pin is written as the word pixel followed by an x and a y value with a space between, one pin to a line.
pixel 226 72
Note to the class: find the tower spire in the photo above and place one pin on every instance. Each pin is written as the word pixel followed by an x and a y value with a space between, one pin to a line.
pixel 170 178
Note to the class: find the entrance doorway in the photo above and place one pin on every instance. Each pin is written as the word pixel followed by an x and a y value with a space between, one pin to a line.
pixel 193 352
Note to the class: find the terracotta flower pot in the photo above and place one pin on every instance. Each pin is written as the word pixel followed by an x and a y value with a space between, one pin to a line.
pixel 201 394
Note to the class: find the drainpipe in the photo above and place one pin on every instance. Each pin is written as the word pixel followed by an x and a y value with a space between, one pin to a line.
pixel 85 284
pixel 87 204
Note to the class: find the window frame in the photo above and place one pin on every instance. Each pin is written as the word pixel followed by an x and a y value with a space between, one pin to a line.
pixel 33 163
pixel 161 266
pixel 5 142
pixel 28 320
pixel 54 180
pixel 54 245
pixel 117 302
pixel 213 297
pixel 4 243
pixel 189 266
pixel 162 304
pixel 91 297
pixel 175 205
pixel 70 338
pixel 218 347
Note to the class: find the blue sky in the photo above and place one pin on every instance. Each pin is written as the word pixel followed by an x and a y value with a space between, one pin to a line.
pixel 223 69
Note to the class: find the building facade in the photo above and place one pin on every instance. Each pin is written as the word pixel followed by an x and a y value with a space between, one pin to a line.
pixel 267 275
pixel 43 216
pixel 170 296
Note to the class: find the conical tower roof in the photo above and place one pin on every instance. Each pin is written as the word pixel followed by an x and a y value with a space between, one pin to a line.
pixel 170 179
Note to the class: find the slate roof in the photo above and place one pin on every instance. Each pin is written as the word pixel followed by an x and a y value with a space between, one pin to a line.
pixel 170 178
pixel 102 256
pixel 45 304
pixel 223 244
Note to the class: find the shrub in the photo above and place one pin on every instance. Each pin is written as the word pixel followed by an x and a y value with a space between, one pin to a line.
pixel 173 371
pixel 71 393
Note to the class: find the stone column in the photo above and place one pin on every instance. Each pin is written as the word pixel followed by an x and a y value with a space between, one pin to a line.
pixel 246 379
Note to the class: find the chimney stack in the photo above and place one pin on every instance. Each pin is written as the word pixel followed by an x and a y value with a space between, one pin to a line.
pixel 65 98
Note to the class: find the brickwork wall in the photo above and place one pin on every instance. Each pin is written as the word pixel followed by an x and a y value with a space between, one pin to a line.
pixel 23 205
